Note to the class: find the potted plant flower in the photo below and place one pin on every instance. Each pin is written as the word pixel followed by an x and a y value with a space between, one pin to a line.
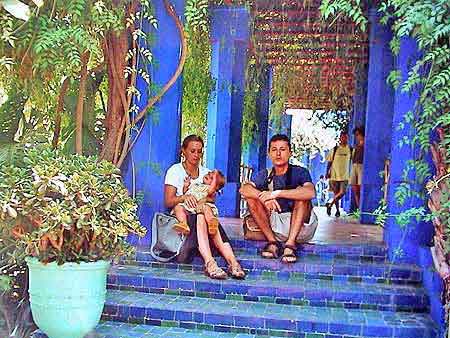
pixel 70 216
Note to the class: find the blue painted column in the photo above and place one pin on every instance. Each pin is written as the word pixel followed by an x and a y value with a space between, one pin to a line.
pixel 229 35
pixel 278 126
pixel 403 243
pixel 256 152
pixel 157 146
pixel 380 103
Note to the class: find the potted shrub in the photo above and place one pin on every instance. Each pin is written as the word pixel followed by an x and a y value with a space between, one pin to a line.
pixel 69 216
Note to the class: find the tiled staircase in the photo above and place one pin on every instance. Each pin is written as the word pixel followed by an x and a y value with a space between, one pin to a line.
pixel 333 291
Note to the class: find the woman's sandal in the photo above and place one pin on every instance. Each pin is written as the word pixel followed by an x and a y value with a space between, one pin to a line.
pixel 267 253
pixel 236 272
pixel 289 258
pixel 212 270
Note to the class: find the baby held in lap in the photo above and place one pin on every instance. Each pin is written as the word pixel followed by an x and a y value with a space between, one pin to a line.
pixel 204 193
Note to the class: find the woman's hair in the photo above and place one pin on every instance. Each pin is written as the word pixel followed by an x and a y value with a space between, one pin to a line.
pixel 191 138
pixel 221 181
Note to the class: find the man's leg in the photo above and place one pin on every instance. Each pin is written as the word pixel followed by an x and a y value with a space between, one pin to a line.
pixel 301 213
pixel 355 181
pixel 334 185
pixel 357 192
pixel 342 187
pixel 261 217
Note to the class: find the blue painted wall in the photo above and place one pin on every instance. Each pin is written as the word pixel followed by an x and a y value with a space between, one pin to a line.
pixel 229 35
pixel 380 105
pixel 157 147
pixel 416 234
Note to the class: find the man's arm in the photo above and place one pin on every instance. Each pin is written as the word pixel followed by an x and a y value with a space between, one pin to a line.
pixel 303 193
pixel 248 190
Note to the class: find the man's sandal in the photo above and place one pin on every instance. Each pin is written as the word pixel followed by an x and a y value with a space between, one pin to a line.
pixel 289 257
pixel 236 272
pixel 212 270
pixel 268 253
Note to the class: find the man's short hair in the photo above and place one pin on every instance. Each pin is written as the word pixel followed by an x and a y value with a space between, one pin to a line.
pixel 280 137
pixel 359 129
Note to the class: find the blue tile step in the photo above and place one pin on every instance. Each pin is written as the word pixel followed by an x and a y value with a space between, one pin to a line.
pixel 267 288
pixel 110 329
pixel 364 253
pixel 271 319
pixel 311 267
pixel 352 252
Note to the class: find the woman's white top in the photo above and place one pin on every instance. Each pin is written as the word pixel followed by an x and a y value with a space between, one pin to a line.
pixel 176 174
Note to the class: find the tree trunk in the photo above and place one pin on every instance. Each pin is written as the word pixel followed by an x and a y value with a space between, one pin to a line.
pixel 80 102
pixel 59 111
pixel 115 51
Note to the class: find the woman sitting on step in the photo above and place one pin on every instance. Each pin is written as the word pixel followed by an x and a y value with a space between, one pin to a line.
pixel 190 169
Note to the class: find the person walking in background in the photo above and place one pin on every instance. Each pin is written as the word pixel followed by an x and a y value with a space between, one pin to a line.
pixel 357 164
pixel 338 170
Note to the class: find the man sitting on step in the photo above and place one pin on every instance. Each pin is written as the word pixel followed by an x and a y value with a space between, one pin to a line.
pixel 279 201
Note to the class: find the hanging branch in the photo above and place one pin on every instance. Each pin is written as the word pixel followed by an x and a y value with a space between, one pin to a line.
pixel 125 123
pixel 125 149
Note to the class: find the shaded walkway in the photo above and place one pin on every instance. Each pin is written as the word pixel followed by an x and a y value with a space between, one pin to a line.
pixel 331 230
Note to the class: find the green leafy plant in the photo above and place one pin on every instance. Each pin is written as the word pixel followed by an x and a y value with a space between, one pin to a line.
pixel 65 208
pixel 197 80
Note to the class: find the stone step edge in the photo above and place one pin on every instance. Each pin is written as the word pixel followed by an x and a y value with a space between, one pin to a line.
pixel 417 308
pixel 218 329
pixel 283 274
pixel 157 328
pixel 364 249
pixel 153 314
pixel 388 300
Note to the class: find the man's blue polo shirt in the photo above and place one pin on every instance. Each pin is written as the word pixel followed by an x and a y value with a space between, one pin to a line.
pixel 299 176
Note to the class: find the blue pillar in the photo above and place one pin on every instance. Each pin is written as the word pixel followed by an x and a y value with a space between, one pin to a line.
pixel 403 243
pixel 157 146
pixel 256 152
pixel 380 102
pixel 281 125
pixel 229 34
